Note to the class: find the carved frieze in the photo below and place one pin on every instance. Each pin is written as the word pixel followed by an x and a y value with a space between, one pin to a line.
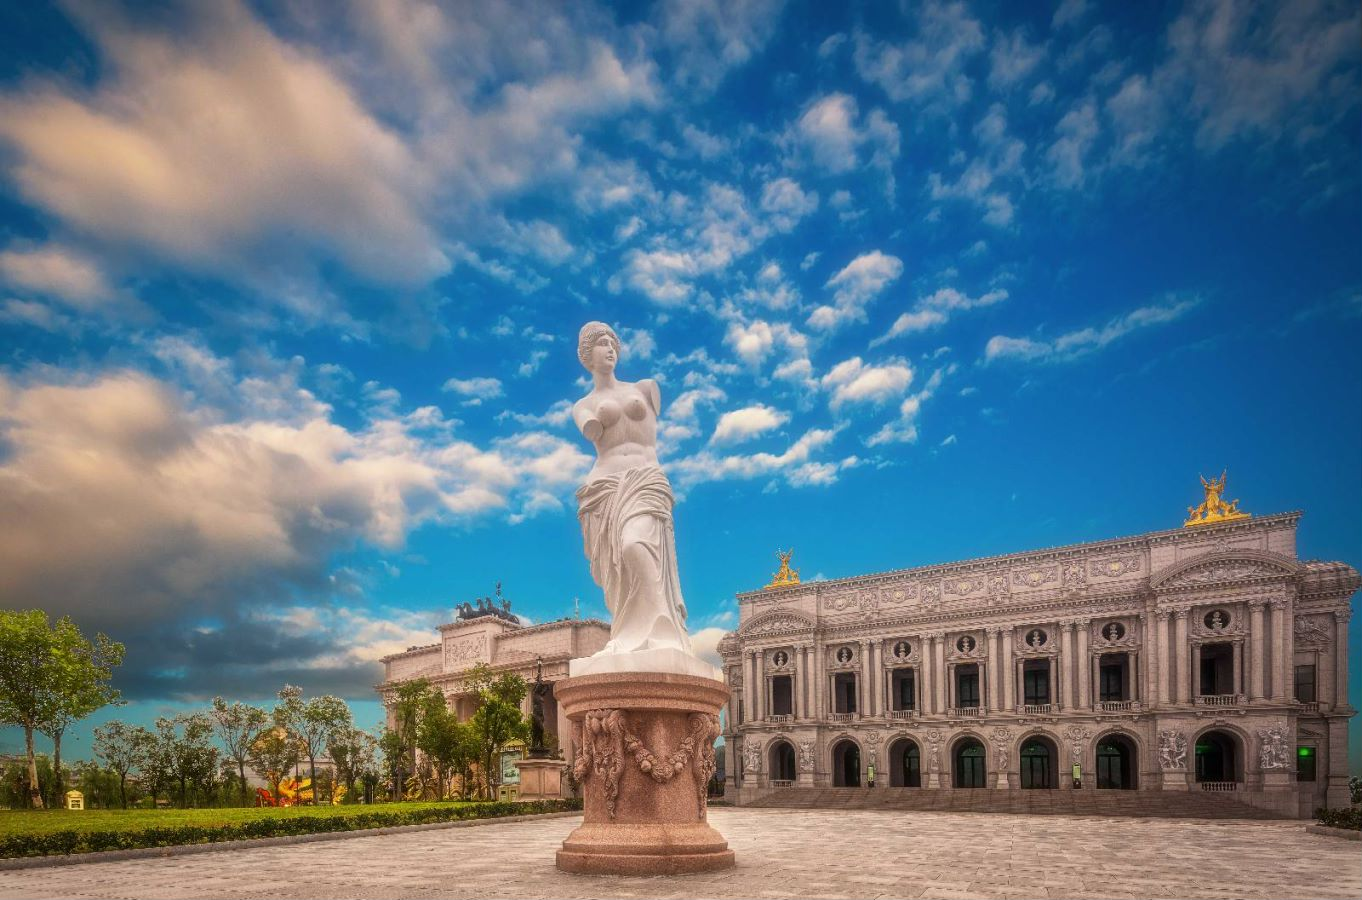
pixel 898 596
pixel 1037 577
pixel 777 623
pixel 465 649
pixel 1114 566
pixel 931 595
pixel 1075 575
pixel 963 587
pixel 841 601
pixel 1217 572
pixel 1311 631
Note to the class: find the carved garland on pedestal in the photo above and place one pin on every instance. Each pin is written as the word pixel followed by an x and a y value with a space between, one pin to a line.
pixel 605 739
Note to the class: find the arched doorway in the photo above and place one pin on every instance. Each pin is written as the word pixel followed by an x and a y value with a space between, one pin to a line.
pixel 1217 757
pixel 905 764
pixel 969 764
pixel 846 764
pixel 1038 761
pixel 1116 769
pixel 782 761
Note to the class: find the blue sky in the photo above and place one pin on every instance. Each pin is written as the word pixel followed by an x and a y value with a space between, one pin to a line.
pixel 289 296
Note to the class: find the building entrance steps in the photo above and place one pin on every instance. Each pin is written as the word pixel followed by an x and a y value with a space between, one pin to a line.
pixel 1146 804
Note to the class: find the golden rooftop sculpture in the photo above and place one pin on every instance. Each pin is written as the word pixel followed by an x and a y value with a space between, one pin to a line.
pixel 785 576
pixel 1213 509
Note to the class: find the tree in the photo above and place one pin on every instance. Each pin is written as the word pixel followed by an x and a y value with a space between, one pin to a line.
pixel 498 720
pixel 313 721
pixel 412 701
pixel 238 725
pixel 83 671
pixel 449 744
pixel 394 758
pixel 273 753
pixel 184 743
pixel 153 762
pixel 29 681
pixel 352 750
pixel 116 746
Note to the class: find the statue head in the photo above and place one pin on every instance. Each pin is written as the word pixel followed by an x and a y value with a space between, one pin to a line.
pixel 598 346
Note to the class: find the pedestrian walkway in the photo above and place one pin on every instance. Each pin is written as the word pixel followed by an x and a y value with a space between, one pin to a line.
pixel 781 853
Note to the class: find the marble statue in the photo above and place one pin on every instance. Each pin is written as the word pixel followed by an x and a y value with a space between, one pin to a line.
pixel 625 510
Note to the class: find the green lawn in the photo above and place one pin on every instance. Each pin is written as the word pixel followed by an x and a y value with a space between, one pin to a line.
pixel 54 832
pixel 45 821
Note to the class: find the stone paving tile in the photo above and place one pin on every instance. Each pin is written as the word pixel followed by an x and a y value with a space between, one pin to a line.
pixel 781 853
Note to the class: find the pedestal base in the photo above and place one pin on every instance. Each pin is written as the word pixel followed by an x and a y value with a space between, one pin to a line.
pixel 645 755
pixel 540 779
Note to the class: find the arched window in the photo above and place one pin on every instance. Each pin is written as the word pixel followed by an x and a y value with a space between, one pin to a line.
pixel 782 762
pixel 846 764
pixel 969 764
pixel 1038 758
pixel 1116 769
pixel 1217 757
pixel 905 764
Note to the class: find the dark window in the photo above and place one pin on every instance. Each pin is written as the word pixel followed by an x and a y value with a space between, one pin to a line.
pixel 1217 669
pixel 1305 685
pixel 969 764
pixel 905 690
pixel 912 767
pixel 1036 681
pixel 1037 765
pixel 844 692
pixel 1305 763
pixel 783 763
pixel 967 686
pixel 1115 764
pixel 1112 674
pixel 782 696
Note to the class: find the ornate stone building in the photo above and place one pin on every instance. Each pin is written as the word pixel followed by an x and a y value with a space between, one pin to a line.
pixel 489 633
pixel 1204 658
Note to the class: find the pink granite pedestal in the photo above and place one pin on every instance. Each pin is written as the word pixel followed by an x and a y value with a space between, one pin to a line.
pixel 645 755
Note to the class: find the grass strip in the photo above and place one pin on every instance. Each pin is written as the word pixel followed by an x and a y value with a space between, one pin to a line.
pixel 87 839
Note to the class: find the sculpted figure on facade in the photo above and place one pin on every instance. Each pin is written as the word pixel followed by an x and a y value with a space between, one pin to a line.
pixel 806 756
pixel 1172 750
pixel 625 510
pixel 1272 751
pixel 752 757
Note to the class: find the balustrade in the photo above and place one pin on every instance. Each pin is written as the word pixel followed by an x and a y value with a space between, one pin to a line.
pixel 1219 700
pixel 1037 709
pixel 779 719
pixel 966 712
pixel 1219 786
pixel 842 717
pixel 902 713
pixel 1118 705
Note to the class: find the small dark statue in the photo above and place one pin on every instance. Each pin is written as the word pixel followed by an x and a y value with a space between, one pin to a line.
pixel 538 691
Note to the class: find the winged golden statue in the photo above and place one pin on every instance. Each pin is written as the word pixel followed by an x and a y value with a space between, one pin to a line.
pixel 1213 508
pixel 785 576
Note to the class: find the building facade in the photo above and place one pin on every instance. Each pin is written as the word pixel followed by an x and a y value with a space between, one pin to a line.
pixel 1204 658
pixel 489 633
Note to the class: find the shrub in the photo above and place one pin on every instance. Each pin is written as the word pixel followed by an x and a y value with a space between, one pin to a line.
pixel 70 841
pixel 1341 818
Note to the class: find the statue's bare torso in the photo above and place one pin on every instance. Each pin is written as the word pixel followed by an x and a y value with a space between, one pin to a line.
pixel 621 422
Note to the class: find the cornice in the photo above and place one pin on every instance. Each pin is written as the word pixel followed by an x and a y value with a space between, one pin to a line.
pixel 1052 554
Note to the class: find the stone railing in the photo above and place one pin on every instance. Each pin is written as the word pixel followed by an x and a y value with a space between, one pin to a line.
pixel 1218 700
pixel 966 712
pixel 780 718
pixel 902 713
pixel 1308 706
pixel 841 717
pixel 782 782
pixel 1219 786
pixel 1037 709
pixel 1118 705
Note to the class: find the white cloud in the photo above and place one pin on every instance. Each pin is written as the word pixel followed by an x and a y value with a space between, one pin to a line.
pixel 58 272
pixel 935 309
pixel 1078 343
pixel 787 203
pixel 929 67
pixel 1077 131
pixel 476 389
pixel 705 644
pixel 709 38
pixel 859 282
pixel 708 465
pixel 903 430
pixel 1012 58
pixel 832 135
pixel 853 381
pixel 743 424
pixel 1069 12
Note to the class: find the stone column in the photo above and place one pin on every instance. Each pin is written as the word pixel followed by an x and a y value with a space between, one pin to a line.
pixel 924 675
pixel 862 690
pixel 1087 685
pixel 1162 694
pixel 818 685
pixel 1066 665
pixel 797 683
pixel 1281 663
pixel 1340 698
pixel 1181 650
pixel 1094 666
pixel 1009 696
pixel 1133 666
pixel 950 687
pixel 1054 681
pixel 939 673
pixel 1196 670
pixel 1257 651
pixel 1237 673
pixel 995 653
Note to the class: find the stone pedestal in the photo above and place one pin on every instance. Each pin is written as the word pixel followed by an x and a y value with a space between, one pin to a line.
pixel 645 755
pixel 1175 780
pixel 540 779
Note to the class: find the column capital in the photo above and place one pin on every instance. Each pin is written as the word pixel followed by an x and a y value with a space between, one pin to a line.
pixel 1163 614
pixel 1180 614
pixel 1279 603
pixel 1082 623
pixel 1257 603
pixel 1341 616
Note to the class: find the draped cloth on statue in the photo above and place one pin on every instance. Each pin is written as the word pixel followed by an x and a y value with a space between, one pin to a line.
pixel 628 536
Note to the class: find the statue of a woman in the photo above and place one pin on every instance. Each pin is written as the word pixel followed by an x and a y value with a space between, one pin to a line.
pixel 625 509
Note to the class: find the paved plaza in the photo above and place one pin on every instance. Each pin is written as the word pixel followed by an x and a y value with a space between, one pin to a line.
pixel 781 853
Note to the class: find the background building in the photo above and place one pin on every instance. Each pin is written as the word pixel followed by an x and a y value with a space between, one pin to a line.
pixel 1204 658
